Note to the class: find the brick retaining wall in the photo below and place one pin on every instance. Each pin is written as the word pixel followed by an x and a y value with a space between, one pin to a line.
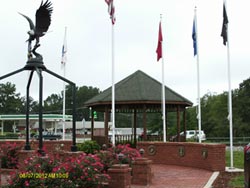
pixel 49 145
pixel 204 156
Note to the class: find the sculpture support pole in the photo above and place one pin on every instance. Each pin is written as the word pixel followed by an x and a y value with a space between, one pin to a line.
pixel 39 67
pixel 27 145
pixel 73 147
pixel 12 73
pixel 40 111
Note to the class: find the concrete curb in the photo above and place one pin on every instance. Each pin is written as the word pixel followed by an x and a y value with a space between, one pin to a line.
pixel 211 180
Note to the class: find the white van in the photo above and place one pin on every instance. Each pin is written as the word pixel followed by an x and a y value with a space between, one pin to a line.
pixel 194 134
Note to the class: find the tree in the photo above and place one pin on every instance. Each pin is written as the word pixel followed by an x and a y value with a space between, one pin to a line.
pixel 10 101
pixel 244 100
pixel 53 104
pixel 214 111
pixel 83 94
pixel 191 118
pixel 241 109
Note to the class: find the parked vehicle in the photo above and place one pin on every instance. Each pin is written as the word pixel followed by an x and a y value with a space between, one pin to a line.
pixel 203 135
pixel 49 136
pixel 194 134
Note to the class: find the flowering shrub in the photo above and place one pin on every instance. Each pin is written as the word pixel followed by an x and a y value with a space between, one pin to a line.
pixel 84 171
pixel 10 157
pixel 122 154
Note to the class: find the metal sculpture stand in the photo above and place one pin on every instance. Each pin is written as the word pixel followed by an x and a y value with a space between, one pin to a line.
pixel 37 65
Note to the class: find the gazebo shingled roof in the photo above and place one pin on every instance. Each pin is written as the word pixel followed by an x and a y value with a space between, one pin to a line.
pixel 137 93
pixel 138 88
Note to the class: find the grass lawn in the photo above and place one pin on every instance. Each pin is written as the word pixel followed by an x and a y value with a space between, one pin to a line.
pixel 237 181
pixel 238 159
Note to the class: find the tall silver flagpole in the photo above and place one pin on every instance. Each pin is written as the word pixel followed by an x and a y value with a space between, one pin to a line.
pixel 113 86
pixel 64 74
pixel 111 11
pixel 163 92
pixel 198 75
pixel 230 112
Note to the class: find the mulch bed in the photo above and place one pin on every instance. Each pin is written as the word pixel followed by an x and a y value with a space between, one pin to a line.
pixel 222 181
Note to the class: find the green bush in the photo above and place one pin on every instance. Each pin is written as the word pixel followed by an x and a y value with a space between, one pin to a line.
pixel 89 146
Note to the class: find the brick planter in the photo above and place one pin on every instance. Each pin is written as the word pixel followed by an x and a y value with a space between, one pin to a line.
pixel 142 174
pixel 120 175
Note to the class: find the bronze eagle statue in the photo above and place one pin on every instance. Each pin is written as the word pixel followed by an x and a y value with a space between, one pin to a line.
pixel 43 20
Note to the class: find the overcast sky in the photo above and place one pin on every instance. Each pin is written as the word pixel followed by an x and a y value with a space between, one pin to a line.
pixel 136 34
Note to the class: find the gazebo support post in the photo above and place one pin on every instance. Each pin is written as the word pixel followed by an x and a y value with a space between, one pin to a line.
pixel 106 124
pixel 166 119
pixel 135 127
pixel 144 123
pixel 92 125
pixel 178 124
pixel 184 123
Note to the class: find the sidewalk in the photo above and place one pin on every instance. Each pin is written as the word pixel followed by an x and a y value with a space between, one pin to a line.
pixel 169 176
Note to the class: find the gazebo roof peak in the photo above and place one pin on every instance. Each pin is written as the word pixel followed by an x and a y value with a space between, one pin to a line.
pixel 138 88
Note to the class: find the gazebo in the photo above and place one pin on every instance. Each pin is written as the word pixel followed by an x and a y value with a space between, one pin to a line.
pixel 137 93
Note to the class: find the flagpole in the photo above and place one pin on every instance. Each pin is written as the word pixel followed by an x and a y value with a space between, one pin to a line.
pixel 163 93
pixel 64 92
pixel 111 11
pixel 230 105
pixel 198 75
pixel 113 86
pixel 225 35
pixel 230 115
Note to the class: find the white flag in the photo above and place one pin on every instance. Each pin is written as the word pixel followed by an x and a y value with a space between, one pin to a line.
pixel 64 50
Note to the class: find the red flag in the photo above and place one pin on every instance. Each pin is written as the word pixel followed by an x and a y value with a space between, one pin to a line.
pixel 159 46
pixel 111 10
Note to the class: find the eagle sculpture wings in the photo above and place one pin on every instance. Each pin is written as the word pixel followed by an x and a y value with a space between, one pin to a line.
pixel 43 20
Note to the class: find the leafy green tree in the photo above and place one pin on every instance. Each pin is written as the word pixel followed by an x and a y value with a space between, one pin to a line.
pixel 34 106
pixel 10 101
pixel 191 118
pixel 241 109
pixel 244 100
pixel 53 104
pixel 83 94
pixel 214 111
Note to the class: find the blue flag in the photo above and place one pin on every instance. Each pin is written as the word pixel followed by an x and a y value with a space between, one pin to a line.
pixel 194 39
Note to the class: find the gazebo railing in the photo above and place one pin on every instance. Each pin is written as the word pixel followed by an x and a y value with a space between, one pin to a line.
pixel 130 138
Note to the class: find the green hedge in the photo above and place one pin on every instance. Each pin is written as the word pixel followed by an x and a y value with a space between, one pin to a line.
pixel 89 146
